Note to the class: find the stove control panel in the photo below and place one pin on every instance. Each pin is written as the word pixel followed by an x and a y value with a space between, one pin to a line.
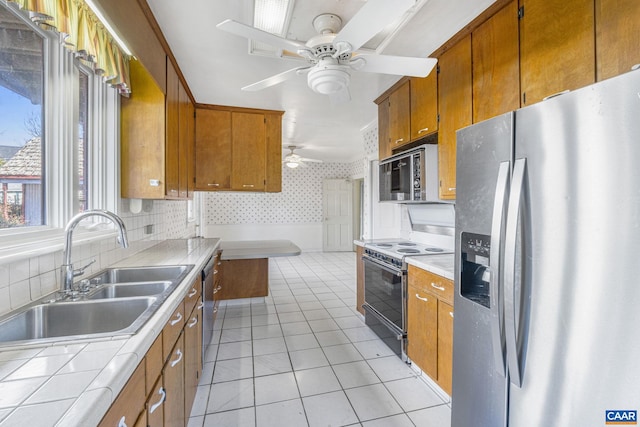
pixel 383 258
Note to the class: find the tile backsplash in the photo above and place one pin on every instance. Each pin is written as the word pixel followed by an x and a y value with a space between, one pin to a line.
pixel 29 279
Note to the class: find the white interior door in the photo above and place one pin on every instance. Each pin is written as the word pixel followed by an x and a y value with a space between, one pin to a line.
pixel 337 207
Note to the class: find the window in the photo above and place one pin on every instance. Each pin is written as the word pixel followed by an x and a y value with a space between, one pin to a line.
pixel 58 134
pixel 21 127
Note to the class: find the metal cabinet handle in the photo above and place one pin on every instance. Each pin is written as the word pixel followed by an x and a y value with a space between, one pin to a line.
pixel 215 271
pixel 422 130
pixel 440 288
pixel 199 307
pixel 451 314
pixel 248 185
pixel 122 422
pixel 215 291
pixel 452 188
pixel 421 298
pixel 177 319
pixel 163 397
pixel 175 362
pixel 193 322
pixel 398 140
pixel 193 292
pixel 213 185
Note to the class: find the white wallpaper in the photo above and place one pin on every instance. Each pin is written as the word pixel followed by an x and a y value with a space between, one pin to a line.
pixel 299 202
pixel 370 137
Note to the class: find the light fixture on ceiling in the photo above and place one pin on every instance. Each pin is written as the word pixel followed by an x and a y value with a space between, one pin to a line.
pixel 272 16
pixel 328 77
pixel 292 165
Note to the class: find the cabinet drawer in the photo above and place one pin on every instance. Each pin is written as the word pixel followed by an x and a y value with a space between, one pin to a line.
pixel 192 296
pixel 429 282
pixel 129 403
pixel 172 330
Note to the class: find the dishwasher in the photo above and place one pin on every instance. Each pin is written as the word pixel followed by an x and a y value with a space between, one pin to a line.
pixel 207 291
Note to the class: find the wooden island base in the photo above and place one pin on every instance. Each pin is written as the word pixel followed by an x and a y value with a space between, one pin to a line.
pixel 244 278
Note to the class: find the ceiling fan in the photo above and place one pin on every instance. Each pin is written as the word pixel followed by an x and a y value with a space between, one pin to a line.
pixel 293 160
pixel 333 53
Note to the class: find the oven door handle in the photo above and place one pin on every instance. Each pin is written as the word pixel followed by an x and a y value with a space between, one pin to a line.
pixel 392 270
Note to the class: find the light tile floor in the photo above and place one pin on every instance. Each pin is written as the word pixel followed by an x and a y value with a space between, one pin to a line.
pixel 304 357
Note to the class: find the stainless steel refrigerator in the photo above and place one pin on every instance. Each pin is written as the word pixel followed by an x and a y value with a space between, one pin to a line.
pixel 547 270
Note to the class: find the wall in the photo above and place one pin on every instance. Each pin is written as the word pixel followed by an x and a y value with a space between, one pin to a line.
pixel 26 280
pixel 294 214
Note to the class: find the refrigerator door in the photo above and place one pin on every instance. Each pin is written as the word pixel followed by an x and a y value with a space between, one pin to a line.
pixel 483 168
pixel 575 287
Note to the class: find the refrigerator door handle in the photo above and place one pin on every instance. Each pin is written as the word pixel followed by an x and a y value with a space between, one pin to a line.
pixel 511 306
pixel 495 291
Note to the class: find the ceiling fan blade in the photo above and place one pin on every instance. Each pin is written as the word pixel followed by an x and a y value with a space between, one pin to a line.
pixel 304 159
pixel 273 80
pixel 372 17
pixel 255 34
pixel 397 65
pixel 340 97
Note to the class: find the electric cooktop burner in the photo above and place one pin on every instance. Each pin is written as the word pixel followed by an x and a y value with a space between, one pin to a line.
pixel 384 245
pixel 408 251
pixel 406 244
pixel 434 249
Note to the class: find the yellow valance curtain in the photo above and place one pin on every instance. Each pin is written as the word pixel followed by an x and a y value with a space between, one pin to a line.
pixel 83 33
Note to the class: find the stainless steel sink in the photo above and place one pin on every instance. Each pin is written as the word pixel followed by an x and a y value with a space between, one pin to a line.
pixel 127 290
pixel 77 319
pixel 141 274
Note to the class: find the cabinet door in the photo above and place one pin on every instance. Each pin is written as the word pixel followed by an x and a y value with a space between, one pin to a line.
pixel 193 357
pixel 384 146
pixel 424 105
pixel 142 137
pixel 496 67
pixel 129 403
pixel 400 116
pixel 617 36
pixel 244 278
pixel 248 160
pixel 213 150
pixel 186 143
pixel 173 379
pixel 172 142
pixel 155 405
pixel 445 345
pixel 422 330
pixel 274 152
pixel 454 102
pixel 557 47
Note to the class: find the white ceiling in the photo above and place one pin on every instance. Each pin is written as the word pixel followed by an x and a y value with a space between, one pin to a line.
pixel 217 64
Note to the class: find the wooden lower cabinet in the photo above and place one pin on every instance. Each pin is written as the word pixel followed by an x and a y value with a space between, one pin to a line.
pixel 244 278
pixel 359 279
pixel 129 404
pixel 422 320
pixel 173 382
pixel 193 356
pixel 445 345
pixel 430 325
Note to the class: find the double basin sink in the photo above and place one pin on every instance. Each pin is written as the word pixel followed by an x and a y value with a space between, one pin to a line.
pixel 116 301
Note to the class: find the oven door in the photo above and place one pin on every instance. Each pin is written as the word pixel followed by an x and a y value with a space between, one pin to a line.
pixel 385 302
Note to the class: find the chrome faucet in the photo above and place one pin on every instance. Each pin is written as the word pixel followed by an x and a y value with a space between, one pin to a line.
pixel 67 273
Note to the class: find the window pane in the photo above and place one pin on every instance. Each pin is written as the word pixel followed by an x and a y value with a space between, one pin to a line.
pixel 83 143
pixel 21 139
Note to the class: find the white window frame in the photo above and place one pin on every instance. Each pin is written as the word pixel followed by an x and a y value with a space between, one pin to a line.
pixel 60 133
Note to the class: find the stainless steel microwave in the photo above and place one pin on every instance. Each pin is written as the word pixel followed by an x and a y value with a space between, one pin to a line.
pixel 411 176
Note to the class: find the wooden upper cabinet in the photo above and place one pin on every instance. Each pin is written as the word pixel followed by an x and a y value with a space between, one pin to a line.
pixel 384 147
pixel 496 66
pixel 186 169
pixel 454 103
pixel 172 142
pixel 142 136
pixel 274 152
pixel 557 47
pixel 248 159
pixel 424 105
pixel 213 150
pixel 617 36
pixel 400 116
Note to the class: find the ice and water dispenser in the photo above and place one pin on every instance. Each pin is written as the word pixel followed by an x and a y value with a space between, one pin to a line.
pixel 474 276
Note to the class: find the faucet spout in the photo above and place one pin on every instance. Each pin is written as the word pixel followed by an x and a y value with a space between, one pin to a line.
pixel 66 270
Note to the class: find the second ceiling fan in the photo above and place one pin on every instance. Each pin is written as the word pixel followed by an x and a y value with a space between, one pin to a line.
pixel 333 53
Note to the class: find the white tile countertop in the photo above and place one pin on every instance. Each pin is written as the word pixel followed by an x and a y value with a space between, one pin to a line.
pixel 74 383
pixel 442 265
pixel 252 249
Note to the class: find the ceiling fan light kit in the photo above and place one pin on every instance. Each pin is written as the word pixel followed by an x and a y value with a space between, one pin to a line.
pixel 333 53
